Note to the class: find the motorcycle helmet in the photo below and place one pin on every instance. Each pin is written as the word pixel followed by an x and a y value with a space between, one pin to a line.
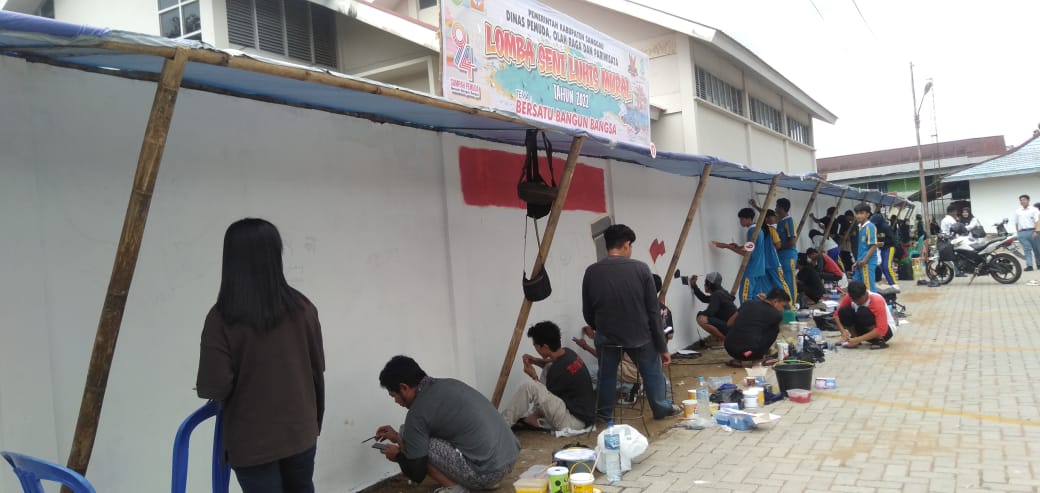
pixel 959 229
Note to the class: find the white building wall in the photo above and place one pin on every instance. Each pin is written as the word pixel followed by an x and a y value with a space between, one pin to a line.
pixel 800 158
pixel 993 199
pixel 767 151
pixel 721 133
pixel 126 15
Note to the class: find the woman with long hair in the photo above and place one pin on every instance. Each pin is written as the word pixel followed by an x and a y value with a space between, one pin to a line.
pixel 972 223
pixel 262 356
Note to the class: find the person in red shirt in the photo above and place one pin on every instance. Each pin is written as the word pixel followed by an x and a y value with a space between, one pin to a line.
pixel 863 316
pixel 826 266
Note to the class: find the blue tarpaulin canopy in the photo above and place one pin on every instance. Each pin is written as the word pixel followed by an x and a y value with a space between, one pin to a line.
pixel 139 56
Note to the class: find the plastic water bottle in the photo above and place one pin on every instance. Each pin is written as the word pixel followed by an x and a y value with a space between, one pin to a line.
pixel 612 453
pixel 703 402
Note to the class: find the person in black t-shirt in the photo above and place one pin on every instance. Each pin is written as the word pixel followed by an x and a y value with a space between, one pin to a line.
pixel 755 329
pixel 717 316
pixel 562 397
pixel 810 284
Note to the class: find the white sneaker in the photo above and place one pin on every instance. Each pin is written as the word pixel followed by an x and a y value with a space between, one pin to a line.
pixel 896 287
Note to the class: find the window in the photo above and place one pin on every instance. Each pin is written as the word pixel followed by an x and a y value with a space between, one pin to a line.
pixel 294 28
pixel 713 90
pixel 426 4
pixel 180 19
pixel 799 131
pixel 765 115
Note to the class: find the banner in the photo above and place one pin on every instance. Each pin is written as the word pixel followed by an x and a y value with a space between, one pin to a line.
pixel 526 59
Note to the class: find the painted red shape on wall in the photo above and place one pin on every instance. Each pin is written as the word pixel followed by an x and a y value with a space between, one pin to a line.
pixel 656 249
pixel 489 177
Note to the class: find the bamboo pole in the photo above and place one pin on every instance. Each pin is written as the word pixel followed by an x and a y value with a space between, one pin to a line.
pixel 808 209
pixel 679 245
pixel 758 228
pixel 126 260
pixel 543 252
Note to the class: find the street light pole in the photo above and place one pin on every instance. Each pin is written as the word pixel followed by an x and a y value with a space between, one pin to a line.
pixel 920 162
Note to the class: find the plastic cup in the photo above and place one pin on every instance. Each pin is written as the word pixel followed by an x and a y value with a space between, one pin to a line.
pixel 751 397
pixel 689 407
pixel 691 394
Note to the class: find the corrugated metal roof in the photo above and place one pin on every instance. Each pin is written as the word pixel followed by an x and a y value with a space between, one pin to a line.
pixel 1021 160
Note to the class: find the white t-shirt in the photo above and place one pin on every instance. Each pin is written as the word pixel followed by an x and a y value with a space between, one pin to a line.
pixel 826 244
pixel 1026 218
pixel 947 222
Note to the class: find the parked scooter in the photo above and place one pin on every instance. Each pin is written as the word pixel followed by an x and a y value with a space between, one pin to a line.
pixel 976 257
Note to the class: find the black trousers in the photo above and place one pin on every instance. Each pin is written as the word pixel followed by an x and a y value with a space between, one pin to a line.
pixel 846 259
pixel 289 475
pixel 860 321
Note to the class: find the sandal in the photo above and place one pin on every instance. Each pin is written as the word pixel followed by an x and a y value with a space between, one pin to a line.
pixel 879 345
pixel 734 364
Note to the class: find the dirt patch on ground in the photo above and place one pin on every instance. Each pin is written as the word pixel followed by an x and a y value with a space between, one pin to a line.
pixel 537 448
pixel 918 296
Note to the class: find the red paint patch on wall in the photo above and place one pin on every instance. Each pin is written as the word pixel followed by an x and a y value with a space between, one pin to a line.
pixel 489 180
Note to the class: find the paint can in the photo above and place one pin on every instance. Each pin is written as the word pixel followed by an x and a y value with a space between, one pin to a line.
pixel 558 482
pixel 581 482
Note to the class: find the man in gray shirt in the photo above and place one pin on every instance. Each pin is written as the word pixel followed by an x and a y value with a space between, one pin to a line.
pixel 619 301
pixel 451 432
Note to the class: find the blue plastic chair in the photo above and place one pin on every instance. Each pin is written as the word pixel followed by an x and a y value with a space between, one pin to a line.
pixel 221 471
pixel 31 471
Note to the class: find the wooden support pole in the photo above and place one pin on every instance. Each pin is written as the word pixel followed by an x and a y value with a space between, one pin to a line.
pixel 808 209
pixel 679 245
pixel 758 228
pixel 126 260
pixel 543 252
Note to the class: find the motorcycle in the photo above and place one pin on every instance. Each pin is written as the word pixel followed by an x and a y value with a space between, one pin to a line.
pixel 1013 247
pixel 976 257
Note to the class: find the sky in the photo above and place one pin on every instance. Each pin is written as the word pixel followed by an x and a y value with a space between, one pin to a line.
pixel 980 56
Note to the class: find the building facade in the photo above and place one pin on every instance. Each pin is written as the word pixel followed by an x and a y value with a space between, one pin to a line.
pixel 709 94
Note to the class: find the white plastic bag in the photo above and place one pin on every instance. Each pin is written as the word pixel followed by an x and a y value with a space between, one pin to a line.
pixel 633 444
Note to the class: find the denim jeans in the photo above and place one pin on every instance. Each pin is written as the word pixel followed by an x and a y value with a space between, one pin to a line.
pixel 292 474
pixel 1030 246
pixel 649 363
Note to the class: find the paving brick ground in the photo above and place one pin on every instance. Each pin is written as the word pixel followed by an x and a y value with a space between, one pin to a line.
pixel 950 406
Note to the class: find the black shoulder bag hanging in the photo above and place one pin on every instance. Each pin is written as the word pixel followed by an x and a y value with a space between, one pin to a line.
pixel 532 188
pixel 539 197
